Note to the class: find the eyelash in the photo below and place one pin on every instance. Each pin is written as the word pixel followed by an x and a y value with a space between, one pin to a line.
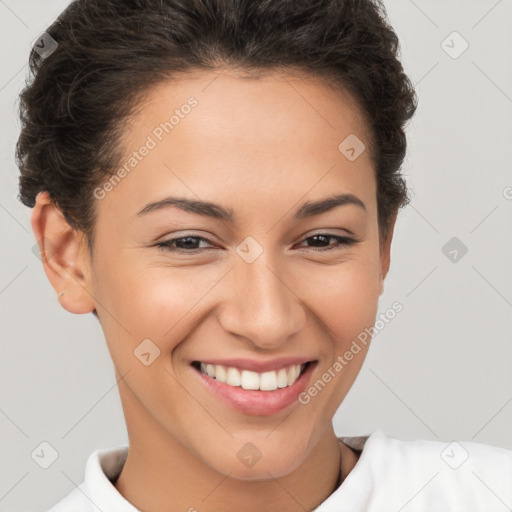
pixel 342 241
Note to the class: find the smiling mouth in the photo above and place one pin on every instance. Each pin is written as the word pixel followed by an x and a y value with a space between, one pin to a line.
pixel 249 380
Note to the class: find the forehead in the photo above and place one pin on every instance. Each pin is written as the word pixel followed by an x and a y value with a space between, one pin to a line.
pixel 288 103
pixel 221 135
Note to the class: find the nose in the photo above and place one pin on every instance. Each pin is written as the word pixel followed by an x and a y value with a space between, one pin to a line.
pixel 263 305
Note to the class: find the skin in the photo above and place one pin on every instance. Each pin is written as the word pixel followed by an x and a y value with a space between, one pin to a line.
pixel 239 147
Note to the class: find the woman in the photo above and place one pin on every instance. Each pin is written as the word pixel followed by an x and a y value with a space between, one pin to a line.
pixel 218 183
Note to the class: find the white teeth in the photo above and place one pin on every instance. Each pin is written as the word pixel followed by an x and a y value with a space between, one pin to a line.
pixel 267 381
pixel 250 380
pixel 233 377
pixel 282 378
pixel 293 373
pixel 220 373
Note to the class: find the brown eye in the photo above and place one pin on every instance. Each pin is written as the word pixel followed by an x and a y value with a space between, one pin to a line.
pixel 187 243
pixel 323 237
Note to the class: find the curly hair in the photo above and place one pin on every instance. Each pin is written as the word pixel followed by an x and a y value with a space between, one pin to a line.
pixel 110 52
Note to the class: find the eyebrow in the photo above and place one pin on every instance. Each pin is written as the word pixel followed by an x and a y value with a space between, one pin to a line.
pixel 216 211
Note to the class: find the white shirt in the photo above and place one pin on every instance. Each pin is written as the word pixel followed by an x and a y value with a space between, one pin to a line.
pixel 390 476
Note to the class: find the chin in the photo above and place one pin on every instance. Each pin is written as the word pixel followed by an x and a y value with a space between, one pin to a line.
pixel 250 465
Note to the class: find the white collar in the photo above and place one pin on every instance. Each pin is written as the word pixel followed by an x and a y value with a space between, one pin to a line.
pixel 104 466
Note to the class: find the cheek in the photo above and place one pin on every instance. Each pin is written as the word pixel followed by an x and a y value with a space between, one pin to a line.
pixel 344 297
pixel 345 302
pixel 159 303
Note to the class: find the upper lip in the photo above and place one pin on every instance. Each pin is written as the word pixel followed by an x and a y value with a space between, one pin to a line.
pixel 256 365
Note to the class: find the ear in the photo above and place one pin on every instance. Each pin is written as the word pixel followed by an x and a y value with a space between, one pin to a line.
pixel 64 255
pixel 385 253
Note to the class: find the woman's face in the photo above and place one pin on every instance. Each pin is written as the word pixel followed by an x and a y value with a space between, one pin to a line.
pixel 259 288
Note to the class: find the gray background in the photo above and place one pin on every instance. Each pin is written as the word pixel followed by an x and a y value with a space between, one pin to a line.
pixel 440 370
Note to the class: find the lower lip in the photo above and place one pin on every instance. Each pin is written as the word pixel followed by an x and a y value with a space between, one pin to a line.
pixel 254 402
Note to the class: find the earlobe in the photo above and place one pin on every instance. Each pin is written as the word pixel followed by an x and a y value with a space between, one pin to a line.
pixel 65 260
